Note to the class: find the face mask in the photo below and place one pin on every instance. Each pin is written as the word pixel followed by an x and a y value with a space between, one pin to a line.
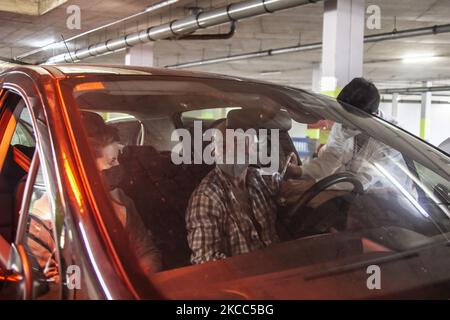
pixel 113 177
pixel 233 170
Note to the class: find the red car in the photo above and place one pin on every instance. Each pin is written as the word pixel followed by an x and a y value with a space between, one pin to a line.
pixel 63 234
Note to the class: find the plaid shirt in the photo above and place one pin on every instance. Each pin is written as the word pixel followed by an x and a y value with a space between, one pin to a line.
pixel 219 227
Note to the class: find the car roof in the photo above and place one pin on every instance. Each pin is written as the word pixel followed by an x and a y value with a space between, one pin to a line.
pixel 77 69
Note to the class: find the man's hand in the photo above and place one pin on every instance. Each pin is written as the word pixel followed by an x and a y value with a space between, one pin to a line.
pixel 292 189
pixel 293 169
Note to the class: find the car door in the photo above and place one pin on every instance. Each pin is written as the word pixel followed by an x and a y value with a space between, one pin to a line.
pixel 48 257
pixel 29 254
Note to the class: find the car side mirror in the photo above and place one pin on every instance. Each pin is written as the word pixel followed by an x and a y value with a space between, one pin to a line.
pixel 15 271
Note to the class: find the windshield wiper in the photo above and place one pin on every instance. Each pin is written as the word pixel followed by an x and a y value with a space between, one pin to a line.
pixel 360 264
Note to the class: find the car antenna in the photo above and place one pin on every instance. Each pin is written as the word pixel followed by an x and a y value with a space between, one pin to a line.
pixel 67 48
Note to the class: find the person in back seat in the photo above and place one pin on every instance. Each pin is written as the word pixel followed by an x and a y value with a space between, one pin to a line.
pixel 105 145
pixel 40 239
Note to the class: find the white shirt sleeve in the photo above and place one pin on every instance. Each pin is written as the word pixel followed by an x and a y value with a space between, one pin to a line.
pixel 339 144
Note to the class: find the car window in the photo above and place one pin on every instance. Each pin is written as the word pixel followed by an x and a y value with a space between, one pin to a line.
pixel 130 130
pixel 308 171
pixel 205 114
pixel 24 134
pixel 31 225
pixel 17 149
pixel 39 240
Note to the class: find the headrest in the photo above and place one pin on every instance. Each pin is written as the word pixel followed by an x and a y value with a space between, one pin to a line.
pixel 93 123
pixel 96 127
pixel 258 119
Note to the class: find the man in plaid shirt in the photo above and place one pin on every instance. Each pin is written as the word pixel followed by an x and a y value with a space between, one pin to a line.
pixel 227 216
pixel 232 211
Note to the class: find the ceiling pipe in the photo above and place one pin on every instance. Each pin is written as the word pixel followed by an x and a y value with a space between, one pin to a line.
pixel 415 101
pixel 248 55
pixel 176 28
pixel 437 29
pixel 215 36
pixel 154 7
pixel 412 90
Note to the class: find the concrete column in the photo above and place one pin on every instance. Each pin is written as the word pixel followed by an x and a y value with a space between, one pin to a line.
pixel 343 43
pixel 425 113
pixel 140 55
pixel 316 77
pixel 394 110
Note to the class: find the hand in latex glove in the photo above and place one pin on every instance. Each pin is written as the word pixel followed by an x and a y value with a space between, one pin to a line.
pixel 348 133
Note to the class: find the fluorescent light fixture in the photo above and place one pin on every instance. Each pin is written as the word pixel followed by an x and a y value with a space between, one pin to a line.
pixel 55 45
pixel 46 43
pixel 419 58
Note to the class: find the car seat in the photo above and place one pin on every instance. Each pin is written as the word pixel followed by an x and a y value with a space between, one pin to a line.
pixel 161 191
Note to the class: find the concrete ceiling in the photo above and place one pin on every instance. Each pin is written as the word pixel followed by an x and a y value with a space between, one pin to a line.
pixel 21 33
pixel 30 7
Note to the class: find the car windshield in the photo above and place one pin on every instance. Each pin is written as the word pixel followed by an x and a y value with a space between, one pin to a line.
pixel 221 179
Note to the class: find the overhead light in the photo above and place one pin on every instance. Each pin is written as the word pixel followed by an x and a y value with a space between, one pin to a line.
pixel 419 58
pixel 46 43
pixel 55 45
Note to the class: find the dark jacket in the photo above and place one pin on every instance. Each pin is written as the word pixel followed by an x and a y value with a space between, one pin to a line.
pixel 141 239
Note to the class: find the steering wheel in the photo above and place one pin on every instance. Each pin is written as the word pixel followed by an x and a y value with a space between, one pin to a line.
pixel 299 216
